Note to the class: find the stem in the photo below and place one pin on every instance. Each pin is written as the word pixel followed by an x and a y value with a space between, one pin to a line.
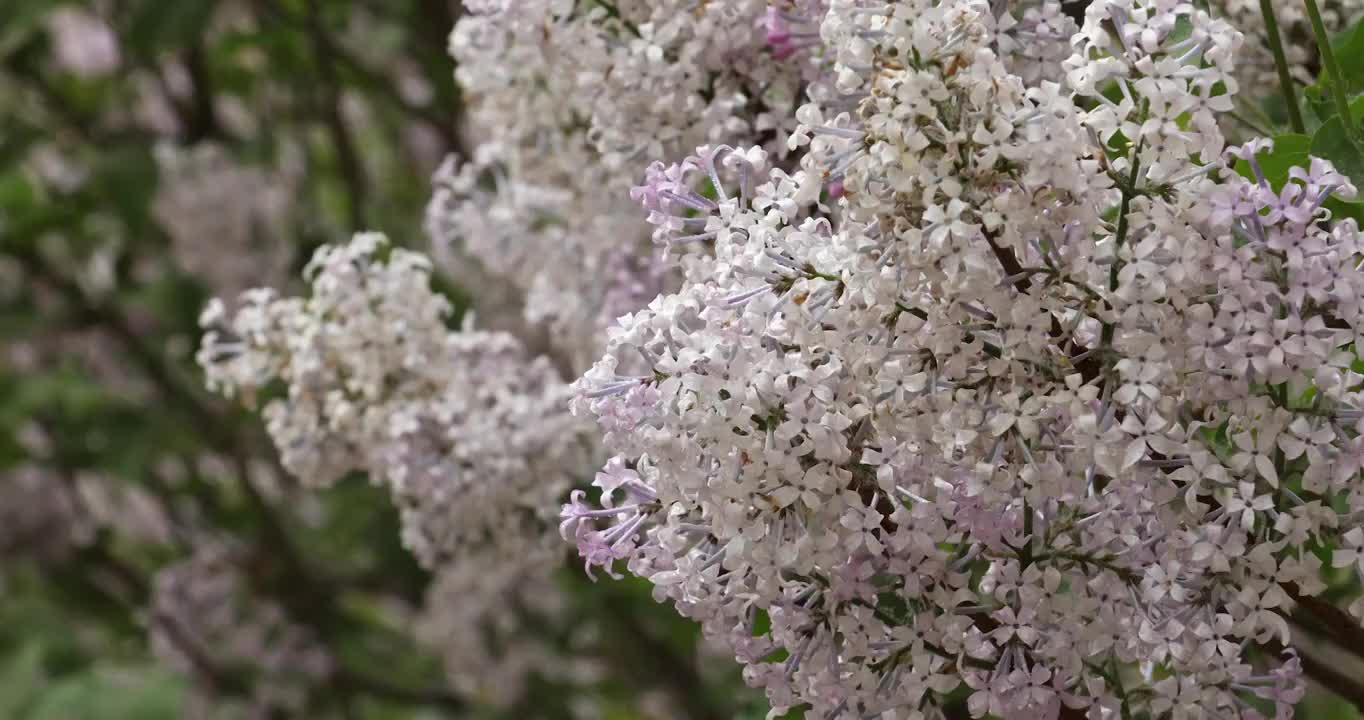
pixel 201 122
pixel 1330 622
pixel 1329 677
pixel 1328 58
pixel 1281 63
pixel 1120 237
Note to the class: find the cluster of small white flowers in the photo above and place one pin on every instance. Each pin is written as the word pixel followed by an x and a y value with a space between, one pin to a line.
pixel 642 78
pixel 468 434
pixel 1050 404
pixel 82 42
pixel 226 221
pixel 41 517
pixel 576 255
pixel 567 96
pixel 205 621
pixel 47 512
pixel 481 616
pixel 982 369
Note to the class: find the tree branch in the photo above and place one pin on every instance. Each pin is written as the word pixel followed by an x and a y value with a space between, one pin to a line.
pixel 1340 684
pixel 1330 622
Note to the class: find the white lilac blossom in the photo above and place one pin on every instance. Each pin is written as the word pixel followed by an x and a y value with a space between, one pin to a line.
pixel 205 621
pixel 481 614
pixel 573 253
pixel 468 433
pixel 82 42
pixel 950 355
pixel 1014 386
pixel 567 98
pixel 642 78
pixel 51 512
pixel 226 221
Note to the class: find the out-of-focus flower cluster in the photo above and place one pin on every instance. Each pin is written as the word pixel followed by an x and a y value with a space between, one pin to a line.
pixel 208 622
pixel 226 221
pixel 1255 64
pixel 469 434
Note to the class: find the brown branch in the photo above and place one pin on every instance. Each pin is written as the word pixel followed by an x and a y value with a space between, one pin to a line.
pixel 1089 366
pixel 1328 621
pixel 199 118
pixel 1340 684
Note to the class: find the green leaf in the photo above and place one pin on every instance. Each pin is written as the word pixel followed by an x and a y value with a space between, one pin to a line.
pixel 1290 150
pixel 113 693
pixel 158 25
pixel 17 196
pixel 1332 142
pixel 1349 50
pixel 21 680
pixel 125 179
pixel 1342 209
pixel 21 19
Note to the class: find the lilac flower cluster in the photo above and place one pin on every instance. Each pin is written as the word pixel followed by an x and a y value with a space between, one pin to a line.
pixel 1014 385
pixel 951 353
pixel 205 621
pixel 469 434
pixel 566 98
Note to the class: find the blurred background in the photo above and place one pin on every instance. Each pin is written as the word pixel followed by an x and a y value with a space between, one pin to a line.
pixel 155 560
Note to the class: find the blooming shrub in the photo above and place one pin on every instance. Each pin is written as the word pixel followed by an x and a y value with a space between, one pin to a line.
pixel 929 358
pixel 982 368
pixel 1049 394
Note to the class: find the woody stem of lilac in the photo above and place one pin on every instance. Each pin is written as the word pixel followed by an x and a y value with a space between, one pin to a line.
pixel 1329 622
pixel 1333 680
pixel 1275 41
